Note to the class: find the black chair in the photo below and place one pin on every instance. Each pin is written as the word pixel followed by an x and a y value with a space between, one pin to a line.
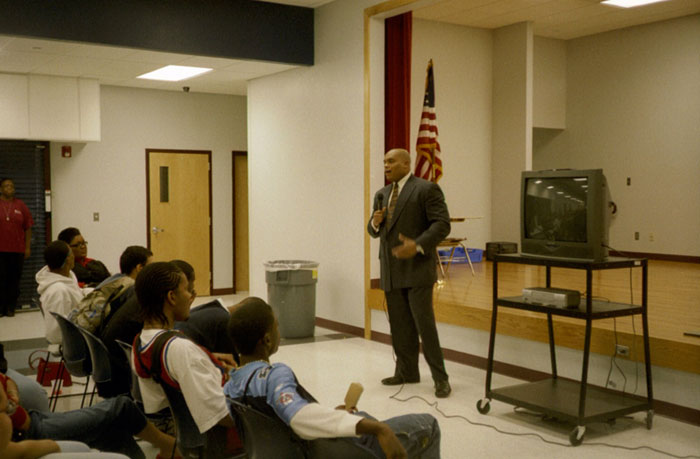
pixel 76 357
pixel 101 367
pixel 49 353
pixel 135 389
pixel 192 443
pixel 266 436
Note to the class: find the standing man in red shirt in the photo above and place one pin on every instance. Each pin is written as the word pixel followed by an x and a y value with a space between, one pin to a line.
pixel 15 244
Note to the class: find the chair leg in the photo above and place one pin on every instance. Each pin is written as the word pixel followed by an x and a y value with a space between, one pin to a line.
pixel 94 388
pixel 58 383
pixel 442 270
pixel 466 252
pixel 449 260
pixel 43 369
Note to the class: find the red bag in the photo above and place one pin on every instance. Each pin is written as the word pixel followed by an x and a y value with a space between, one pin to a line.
pixel 48 371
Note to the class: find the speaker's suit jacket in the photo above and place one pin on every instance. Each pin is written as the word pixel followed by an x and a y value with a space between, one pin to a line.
pixel 420 214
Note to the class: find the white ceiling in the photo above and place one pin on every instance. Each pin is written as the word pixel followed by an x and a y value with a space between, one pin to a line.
pixel 563 19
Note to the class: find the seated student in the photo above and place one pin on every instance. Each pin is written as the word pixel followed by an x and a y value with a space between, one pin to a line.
pixel 255 332
pixel 32 397
pixel 162 291
pixel 207 323
pixel 206 326
pixel 110 425
pixel 88 271
pixel 97 307
pixel 58 289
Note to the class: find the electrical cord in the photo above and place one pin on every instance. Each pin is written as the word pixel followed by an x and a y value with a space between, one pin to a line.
pixel 434 405
pixel 613 358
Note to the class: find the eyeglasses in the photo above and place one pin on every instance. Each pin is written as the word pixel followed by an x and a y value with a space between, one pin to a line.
pixel 79 244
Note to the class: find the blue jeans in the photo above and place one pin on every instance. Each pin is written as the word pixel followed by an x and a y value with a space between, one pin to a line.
pixel 108 426
pixel 31 394
pixel 418 433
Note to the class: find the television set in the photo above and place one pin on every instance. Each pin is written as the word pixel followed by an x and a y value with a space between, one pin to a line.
pixel 565 213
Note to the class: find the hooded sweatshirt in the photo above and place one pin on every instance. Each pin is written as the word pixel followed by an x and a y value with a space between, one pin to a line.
pixel 58 294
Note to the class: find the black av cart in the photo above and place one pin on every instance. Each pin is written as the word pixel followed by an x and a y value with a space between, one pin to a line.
pixel 573 401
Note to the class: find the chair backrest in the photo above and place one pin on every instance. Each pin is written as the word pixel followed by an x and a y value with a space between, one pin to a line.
pixel 135 389
pixel 190 441
pixel 267 436
pixel 264 436
pixel 101 368
pixel 74 348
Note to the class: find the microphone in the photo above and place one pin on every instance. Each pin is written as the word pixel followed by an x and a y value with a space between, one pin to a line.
pixel 380 202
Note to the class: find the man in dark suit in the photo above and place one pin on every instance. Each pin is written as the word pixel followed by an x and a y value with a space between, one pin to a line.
pixel 410 218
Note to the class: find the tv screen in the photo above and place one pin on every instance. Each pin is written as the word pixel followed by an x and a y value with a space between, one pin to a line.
pixel 564 214
pixel 555 209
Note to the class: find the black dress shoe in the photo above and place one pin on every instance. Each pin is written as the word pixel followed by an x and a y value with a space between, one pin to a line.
pixel 442 389
pixel 398 380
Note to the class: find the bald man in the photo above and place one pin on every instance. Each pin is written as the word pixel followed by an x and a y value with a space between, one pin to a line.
pixel 410 219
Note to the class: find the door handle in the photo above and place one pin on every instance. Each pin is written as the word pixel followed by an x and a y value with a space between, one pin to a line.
pixel 156 230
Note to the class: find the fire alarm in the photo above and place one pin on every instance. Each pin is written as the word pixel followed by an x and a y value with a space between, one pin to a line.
pixel 66 151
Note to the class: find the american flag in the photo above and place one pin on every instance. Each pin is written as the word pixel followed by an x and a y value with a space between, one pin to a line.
pixel 428 162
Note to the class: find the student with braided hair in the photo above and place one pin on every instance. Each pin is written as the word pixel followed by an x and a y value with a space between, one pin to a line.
pixel 165 359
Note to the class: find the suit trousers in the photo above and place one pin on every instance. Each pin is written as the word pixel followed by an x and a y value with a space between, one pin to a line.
pixel 410 316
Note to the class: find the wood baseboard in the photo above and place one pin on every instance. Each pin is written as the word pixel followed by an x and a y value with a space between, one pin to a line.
pixel 657 256
pixel 678 355
pixel 222 291
pixel 671 410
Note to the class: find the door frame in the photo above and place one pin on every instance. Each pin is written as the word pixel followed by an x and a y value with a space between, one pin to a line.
pixel 235 153
pixel 211 217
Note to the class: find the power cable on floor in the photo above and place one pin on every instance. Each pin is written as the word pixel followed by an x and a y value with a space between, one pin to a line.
pixel 434 405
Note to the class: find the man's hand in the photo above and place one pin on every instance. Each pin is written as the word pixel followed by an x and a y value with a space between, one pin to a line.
pixel 351 410
pixel 227 360
pixel 378 217
pixel 392 447
pixel 407 249
pixel 12 391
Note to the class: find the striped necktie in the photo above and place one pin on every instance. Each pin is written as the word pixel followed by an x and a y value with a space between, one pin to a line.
pixel 392 201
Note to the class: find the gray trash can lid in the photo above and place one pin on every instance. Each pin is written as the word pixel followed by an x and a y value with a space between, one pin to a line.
pixel 288 265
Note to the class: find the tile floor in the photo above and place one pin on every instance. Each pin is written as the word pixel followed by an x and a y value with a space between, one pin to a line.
pixel 329 362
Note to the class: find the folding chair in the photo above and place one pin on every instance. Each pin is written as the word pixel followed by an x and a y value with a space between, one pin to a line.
pixel 54 368
pixel 76 357
pixel 452 243
pixel 99 355
pixel 135 389
pixel 265 436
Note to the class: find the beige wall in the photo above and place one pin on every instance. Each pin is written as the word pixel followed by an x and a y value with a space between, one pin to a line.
pixel 109 176
pixel 512 126
pixel 463 86
pixel 633 109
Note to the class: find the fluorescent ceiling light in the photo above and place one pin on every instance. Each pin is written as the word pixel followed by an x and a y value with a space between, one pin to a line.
pixel 174 73
pixel 630 3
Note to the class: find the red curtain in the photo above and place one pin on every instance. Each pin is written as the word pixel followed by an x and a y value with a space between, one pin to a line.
pixel 397 81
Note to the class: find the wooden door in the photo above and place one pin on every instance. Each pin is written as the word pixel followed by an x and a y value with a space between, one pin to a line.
pixel 179 210
pixel 240 221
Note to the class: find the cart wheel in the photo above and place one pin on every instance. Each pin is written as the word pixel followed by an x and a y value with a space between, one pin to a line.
pixel 650 418
pixel 576 435
pixel 483 405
